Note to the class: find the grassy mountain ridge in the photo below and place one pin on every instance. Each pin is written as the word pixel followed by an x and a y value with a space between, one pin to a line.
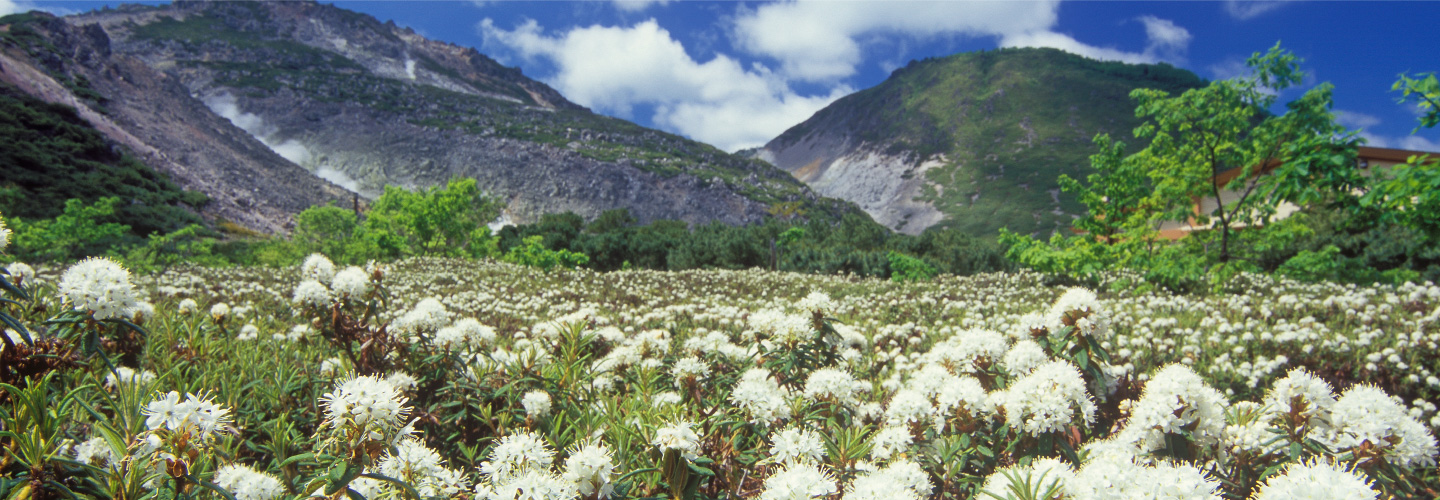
pixel 984 134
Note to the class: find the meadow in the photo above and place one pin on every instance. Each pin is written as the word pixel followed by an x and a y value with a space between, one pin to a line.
pixel 428 378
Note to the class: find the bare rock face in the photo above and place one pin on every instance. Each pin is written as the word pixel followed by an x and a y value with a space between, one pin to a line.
pixel 157 119
pixel 365 104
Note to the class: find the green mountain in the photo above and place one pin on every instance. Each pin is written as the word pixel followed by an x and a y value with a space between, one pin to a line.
pixel 972 141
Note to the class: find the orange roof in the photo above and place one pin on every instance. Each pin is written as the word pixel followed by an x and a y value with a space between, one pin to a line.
pixel 1365 153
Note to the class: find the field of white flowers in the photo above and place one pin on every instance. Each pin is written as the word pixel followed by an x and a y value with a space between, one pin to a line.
pixel 481 380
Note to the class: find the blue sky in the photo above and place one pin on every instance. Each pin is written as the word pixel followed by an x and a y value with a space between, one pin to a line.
pixel 736 74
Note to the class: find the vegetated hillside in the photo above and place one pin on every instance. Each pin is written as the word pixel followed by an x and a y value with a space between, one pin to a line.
pixel 148 116
pixel 366 104
pixel 49 154
pixel 972 141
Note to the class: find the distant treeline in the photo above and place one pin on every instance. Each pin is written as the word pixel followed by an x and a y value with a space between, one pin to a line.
pixel 854 244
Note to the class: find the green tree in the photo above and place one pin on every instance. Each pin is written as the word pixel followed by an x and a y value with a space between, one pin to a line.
pixel 189 244
pixel 447 221
pixel 1203 133
pixel 1409 194
pixel 1426 91
pixel 904 268
pixel 1114 193
pixel 80 231
pixel 1220 142
pixel 534 254
pixel 329 230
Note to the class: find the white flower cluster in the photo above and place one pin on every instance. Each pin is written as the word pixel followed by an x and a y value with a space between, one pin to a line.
pixel 590 469
pixel 796 446
pixel 100 287
pixel 248 332
pixel 537 404
pixel 1176 401
pixel 311 293
pixel 428 316
pixel 246 483
pixel 760 397
pixel 465 334
pixel 423 469
pixel 220 311
pixel 1049 399
pixel 320 286
pixel 889 442
pixel 200 417
pixel 799 482
pixel 20 272
pixel 1023 357
pixel 96 451
pixel 968 350
pixel 689 368
pixel 516 456
pixel 1102 478
pixel 1366 414
pixel 1316 480
pixel 780 326
pixel 900 480
pixel 679 437
pixel 124 375
pixel 351 283
pixel 520 468
pixel 365 408
pixel 317 267
pixel 834 385
pixel 1080 308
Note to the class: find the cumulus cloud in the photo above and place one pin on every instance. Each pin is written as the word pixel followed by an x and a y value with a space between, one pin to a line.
pixel 818 41
pixel 1411 142
pixel 1246 10
pixel 637 5
pixel 8 7
pixel 821 41
pixel 1352 119
pixel 615 69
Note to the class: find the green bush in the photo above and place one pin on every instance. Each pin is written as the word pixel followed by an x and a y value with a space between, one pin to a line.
pixel 906 269
pixel 534 254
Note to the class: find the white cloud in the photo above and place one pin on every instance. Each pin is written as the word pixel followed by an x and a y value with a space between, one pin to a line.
pixel 1066 43
pixel 1245 10
pixel 8 7
pixel 615 69
pixel 1167 40
pixel 1352 119
pixel 821 41
pixel 1410 142
pixel 817 40
pixel 637 5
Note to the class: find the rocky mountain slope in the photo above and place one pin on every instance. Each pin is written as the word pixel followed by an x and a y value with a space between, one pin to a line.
pixel 973 141
pixel 155 119
pixel 364 104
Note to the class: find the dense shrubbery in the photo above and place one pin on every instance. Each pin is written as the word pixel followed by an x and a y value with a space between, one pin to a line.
pixel 854 244
pixel 50 156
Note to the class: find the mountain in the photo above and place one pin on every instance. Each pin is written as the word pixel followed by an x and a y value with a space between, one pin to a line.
pixel 271 107
pixel 135 113
pixel 972 141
